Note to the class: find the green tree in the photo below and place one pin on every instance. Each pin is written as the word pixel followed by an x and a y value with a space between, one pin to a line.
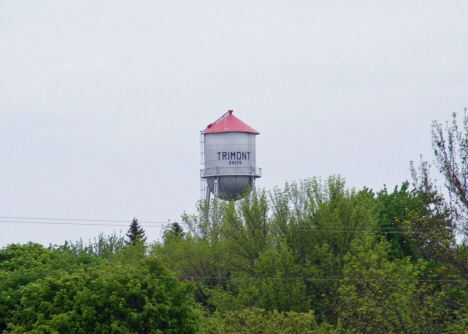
pixel 106 299
pixel 103 246
pixel 286 252
pixel 246 231
pixel 392 210
pixel 318 220
pixel 260 321
pixel 130 254
pixel 198 253
pixel 56 291
pixel 21 265
pixel 382 296
pixel 273 285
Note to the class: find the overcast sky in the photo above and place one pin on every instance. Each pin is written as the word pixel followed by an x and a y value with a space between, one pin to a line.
pixel 102 102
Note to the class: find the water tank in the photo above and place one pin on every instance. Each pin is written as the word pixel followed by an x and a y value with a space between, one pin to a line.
pixel 228 154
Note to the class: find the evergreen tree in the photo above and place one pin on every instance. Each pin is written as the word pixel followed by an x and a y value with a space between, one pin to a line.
pixel 135 233
pixel 177 230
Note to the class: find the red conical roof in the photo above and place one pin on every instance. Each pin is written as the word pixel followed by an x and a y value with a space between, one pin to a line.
pixel 229 123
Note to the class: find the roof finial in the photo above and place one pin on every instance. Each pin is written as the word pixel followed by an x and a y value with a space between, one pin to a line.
pixel 230 112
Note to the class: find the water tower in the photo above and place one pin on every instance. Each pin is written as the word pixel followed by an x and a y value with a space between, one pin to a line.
pixel 228 155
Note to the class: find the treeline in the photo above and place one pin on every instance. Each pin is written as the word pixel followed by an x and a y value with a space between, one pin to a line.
pixel 353 259
pixel 311 257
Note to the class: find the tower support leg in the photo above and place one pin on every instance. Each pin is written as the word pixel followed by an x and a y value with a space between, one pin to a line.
pixel 208 193
pixel 215 188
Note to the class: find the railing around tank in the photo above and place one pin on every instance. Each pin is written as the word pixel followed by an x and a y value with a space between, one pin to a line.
pixel 230 171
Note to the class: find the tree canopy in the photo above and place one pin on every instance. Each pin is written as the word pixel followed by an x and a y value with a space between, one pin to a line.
pixel 54 291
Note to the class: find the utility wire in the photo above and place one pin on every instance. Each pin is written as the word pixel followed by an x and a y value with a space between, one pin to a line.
pixel 76 224
pixel 331 229
pixel 84 220
pixel 324 279
pixel 316 229
pixel 344 279
pixel 153 224
pixel 146 222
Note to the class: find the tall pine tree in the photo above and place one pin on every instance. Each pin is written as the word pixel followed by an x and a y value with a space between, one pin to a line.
pixel 135 233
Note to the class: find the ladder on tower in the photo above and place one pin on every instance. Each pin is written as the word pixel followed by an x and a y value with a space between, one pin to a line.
pixel 203 183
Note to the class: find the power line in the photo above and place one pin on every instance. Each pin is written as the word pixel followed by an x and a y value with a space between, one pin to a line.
pixel 344 279
pixel 84 220
pixel 168 222
pixel 315 229
pixel 76 224
pixel 324 279
pixel 153 224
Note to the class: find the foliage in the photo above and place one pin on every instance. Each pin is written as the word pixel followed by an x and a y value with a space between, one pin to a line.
pixel 135 233
pixel 392 210
pixel 103 247
pixel 315 246
pixel 51 291
pixel 198 253
pixel 260 321
pixel 273 286
pixel 281 250
pixel 130 254
pixel 177 230
pixel 439 231
pixel 21 265
pixel 305 236
pixel 382 296
pixel 245 231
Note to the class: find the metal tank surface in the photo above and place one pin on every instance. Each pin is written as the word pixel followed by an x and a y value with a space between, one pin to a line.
pixel 228 152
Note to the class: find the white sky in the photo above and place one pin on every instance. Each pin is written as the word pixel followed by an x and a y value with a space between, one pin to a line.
pixel 101 103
